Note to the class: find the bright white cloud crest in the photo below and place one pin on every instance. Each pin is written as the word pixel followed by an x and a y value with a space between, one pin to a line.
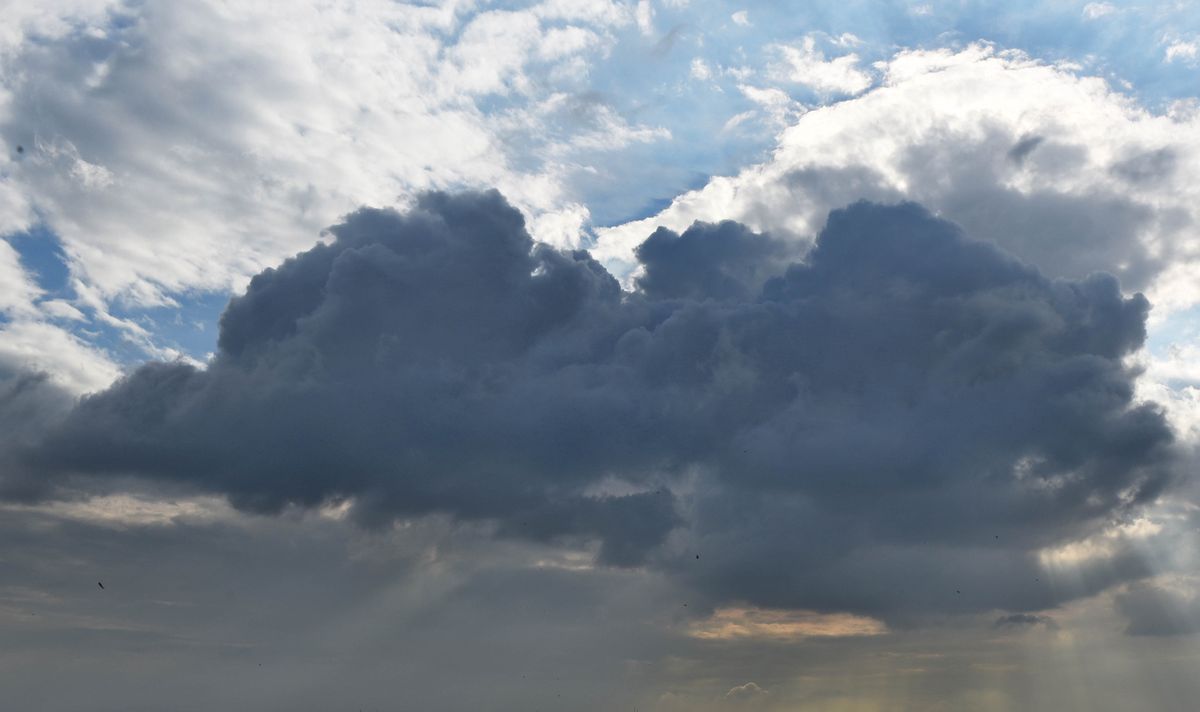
pixel 973 135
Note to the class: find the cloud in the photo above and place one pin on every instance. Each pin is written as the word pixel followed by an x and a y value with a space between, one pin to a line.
pixel 170 149
pixel 779 108
pixel 33 339
pixel 29 345
pixel 1155 610
pixel 902 386
pixel 645 17
pixel 153 121
pixel 1021 149
pixel 807 65
pixel 1096 10
pixel 782 626
pixel 1025 620
pixel 150 122
pixel 29 403
pixel 723 261
pixel 1054 167
pixel 1183 51
pixel 293 599
pixel 332 613
pixel 743 693
pixel 18 291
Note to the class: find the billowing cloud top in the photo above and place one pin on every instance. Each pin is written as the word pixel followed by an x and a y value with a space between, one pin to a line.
pixel 901 389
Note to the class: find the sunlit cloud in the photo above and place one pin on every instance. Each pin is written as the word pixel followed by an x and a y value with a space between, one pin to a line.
pixel 751 624
pixel 1103 545
pixel 127 510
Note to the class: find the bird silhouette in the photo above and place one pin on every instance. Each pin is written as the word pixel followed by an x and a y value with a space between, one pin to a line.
pixel 100 584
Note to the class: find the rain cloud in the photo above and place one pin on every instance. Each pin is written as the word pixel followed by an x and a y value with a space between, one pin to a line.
pixel 897 420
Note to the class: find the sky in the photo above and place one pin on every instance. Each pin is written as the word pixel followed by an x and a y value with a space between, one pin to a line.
pixel 599 355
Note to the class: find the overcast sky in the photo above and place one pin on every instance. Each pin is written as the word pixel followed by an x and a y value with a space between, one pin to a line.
pixel 599 355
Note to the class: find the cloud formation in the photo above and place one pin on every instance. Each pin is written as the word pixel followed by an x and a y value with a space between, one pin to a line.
pixel 125 124
pixel 904 398
pixel 1059 169
pixel 1018 621
pixel 1155 610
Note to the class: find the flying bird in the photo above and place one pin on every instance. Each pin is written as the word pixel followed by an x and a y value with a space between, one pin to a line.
pixel 100 584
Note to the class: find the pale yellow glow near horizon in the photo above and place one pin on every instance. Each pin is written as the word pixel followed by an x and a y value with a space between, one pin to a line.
pixel 131 510
pixel 781 625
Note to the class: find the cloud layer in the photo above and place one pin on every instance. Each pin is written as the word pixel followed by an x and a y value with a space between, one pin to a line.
pixel 904 398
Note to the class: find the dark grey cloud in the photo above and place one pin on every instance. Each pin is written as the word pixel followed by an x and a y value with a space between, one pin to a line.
pixel 894 424
pixel 723 261
pixel 29 403
pixel 1021 149
pixel 304 613
pixel 1025 620
pixel 786 551
pixel 1150 166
